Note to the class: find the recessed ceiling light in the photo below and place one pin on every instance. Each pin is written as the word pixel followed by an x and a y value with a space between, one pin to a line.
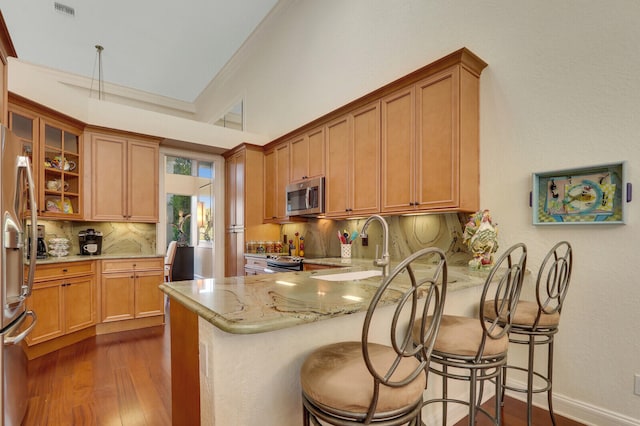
pixel 64 9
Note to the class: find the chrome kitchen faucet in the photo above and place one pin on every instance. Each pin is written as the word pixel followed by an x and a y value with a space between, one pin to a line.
pixel 384 261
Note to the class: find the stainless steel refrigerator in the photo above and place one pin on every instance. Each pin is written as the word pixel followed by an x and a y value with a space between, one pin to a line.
pixel 16 183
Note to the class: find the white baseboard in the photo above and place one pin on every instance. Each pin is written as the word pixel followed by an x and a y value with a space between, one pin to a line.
pixel 576 410
pixel 562 405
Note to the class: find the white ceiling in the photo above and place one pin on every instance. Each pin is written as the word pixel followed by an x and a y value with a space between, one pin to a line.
pixel 169 48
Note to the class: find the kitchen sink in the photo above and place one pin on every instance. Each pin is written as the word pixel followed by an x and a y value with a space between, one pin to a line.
pixel 349 276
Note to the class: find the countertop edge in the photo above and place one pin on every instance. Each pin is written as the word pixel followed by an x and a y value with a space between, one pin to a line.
pixel 79 258
pixel 183 295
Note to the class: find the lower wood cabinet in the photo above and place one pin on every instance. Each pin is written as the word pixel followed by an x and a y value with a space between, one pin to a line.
pixel 129 289
pixel 64 298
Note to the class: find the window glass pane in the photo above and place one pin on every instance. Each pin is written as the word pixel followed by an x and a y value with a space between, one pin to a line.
pixel 233 119
pixel 205 216
pixel 178 166
pixel 205 169
pixel 179 219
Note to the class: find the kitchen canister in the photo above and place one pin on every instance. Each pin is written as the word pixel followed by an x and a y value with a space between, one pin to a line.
pixel 345 251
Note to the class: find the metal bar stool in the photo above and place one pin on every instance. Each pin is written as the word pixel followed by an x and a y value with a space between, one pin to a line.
pixel 536 323
pixel 351 383
pixel 475 350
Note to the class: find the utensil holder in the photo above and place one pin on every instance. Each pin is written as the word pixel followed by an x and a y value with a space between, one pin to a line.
pixel 345 251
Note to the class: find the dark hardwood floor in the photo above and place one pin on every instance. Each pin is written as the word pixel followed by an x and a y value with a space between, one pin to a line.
pixel 113 379
pixel 514 413
pixel 124 379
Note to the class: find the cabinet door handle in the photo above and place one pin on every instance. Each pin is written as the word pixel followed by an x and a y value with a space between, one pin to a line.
pixel 64 270
pixel 132 277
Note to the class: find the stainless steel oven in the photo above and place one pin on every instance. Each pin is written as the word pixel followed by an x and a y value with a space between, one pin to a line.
pixel 305 198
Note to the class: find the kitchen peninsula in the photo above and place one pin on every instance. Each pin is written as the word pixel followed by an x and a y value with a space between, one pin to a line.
pixel 241 340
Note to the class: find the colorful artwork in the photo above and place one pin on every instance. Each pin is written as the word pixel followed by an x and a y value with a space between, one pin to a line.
pixel 579 196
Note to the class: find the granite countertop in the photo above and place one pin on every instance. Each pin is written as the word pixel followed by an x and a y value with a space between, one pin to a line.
pixel 79 258
pixel 262 303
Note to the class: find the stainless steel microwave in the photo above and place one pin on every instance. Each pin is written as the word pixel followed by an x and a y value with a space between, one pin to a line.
pixel 306 197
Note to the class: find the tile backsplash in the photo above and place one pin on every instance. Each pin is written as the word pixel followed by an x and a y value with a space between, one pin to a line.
pixel 407 234
pixel 117 238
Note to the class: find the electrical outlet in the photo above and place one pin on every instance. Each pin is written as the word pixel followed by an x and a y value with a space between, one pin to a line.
pixel 204 359
pixel 636 389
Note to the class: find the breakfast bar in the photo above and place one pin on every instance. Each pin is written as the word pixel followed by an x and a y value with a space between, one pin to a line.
pixel 254 332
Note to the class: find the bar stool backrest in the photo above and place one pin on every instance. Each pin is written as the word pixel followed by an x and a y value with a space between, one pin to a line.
pixel 503 285
pixel 417 287
pixel 553 280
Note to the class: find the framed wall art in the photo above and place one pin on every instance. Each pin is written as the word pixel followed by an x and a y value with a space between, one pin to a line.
pixel 586 195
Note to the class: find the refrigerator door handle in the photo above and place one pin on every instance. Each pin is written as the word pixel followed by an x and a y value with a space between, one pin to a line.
pixel 14 340
pixel 23 163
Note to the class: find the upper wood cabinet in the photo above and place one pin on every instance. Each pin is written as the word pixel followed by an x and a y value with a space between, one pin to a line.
pixel 276 179
pixel 307 155
pixel 410 146
pixel 123 177
pixel 353 163
pixel 430 144
pixel 54 145
pixel 6 50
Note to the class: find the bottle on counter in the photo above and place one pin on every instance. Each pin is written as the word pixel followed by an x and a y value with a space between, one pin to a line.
pixel 269 247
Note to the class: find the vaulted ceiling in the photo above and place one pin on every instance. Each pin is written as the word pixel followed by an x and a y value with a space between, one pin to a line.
pixel 169 48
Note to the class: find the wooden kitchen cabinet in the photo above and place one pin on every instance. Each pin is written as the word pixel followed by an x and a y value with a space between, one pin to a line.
pixel 430 144
pixel 6 50
pixel 254 265
pixel 244 202
pixel 64 298
pixel 130 289
pixel 54 145
pixel 307 155
pixel 411 146
pixel 353 163
pixel 276 179
pixel 123 178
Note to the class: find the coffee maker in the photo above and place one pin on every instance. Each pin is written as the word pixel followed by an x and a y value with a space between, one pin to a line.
pixel 90 242
pixel 42 246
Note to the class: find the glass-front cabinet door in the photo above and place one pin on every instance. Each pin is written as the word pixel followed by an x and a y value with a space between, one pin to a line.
pixel 24 126
pixel 54 147
pixel 60 157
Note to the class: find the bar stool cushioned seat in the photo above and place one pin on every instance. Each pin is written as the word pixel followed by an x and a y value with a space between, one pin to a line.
pixel 337 376
pixel 525 315
pixel 463 336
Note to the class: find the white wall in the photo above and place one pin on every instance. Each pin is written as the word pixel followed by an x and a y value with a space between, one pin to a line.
pixel 120 109
pixel 561 90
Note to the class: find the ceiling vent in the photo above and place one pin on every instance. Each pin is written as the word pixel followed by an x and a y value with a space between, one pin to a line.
pixel 64 9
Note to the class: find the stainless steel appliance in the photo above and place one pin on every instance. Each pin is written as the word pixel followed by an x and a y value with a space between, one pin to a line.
pixel 283 264
pixel 17 187
pixel 305 198
pixel 90 242
pixel 41 246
